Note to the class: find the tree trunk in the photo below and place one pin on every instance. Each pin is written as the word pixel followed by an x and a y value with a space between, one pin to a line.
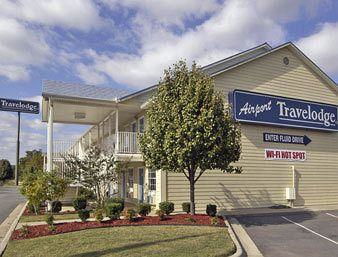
pixel 192 195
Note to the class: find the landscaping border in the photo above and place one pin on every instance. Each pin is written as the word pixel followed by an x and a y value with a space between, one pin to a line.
pixel 239 250
pixel 9 224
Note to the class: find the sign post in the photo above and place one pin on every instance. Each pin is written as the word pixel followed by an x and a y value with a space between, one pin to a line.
pixel 18 106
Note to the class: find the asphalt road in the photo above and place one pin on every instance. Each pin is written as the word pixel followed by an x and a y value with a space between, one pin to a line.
pixel 9 199
pixel 301 234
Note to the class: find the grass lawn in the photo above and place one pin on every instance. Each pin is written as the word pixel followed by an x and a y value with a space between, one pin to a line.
pixel 129 241
pixel 33 218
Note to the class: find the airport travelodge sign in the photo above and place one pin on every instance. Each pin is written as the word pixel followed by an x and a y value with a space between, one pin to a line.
pixel 282 111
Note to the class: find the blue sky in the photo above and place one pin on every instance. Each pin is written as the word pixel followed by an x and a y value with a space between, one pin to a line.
pixel 128 43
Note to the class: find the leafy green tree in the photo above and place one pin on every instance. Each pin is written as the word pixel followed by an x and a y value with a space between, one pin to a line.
pixel 96 170
pixel 38 186
pixel 189 129
pixel 6 171
pixel 32 161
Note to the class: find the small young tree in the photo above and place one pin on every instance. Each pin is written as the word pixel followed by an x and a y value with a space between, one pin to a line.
pixel 96 170
pixel 189 128
pixel 39 186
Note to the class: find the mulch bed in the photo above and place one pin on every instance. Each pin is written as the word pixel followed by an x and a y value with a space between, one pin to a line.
pixel 179 219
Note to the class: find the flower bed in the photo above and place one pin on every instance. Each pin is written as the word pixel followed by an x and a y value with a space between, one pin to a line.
pixel 180 219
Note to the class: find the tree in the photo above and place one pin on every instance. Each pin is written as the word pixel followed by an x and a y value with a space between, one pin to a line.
pixel 189 128
pixel 96 170
pixel 39 186
pixel 6 171
pixel 32 161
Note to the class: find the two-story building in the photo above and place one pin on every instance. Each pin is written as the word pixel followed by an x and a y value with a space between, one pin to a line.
pixel 287 107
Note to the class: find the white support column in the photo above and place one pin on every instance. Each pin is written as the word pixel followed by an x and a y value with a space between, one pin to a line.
pixel 50 137
pixel 109 125
pixel 90 138
pixel 98 135
pixel 117 130
pixel 103 123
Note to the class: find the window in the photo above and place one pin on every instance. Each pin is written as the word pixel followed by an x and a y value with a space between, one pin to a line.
pixel 152 179
pixel 141 125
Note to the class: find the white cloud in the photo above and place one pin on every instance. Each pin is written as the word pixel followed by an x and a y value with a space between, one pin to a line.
pixel 74 14
pixel 236 26
pixel 322 47
pixel 168 12
pixel 90 76
pixel 14 72
pixel 20 47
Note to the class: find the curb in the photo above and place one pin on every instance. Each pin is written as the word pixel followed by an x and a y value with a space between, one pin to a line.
pixel 11 221
pixel 250 248
pixel 239 250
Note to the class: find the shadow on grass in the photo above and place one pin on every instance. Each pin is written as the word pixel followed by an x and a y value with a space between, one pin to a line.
pixel 133 246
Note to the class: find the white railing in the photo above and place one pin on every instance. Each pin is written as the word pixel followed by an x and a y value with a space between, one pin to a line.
pixel 128 142
pixel 65 147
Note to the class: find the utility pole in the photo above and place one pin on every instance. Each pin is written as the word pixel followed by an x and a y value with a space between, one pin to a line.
pixel 17 151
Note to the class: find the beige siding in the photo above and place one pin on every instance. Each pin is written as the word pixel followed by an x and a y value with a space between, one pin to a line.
pixel 262 182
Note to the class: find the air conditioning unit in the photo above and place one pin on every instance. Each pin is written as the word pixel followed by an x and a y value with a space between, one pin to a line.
pixel 290 193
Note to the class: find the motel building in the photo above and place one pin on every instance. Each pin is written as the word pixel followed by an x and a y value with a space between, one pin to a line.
pixel 287 109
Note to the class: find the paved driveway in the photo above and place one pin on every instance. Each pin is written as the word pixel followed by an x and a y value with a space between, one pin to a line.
pixel 301 234
pixel 9 199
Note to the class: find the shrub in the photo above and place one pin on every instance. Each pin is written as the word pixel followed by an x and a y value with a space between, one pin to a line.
pixel 116 200
pixel 160 214
pixel 50 219
pixel 80 203
pixel 86 193
pixel 211 210
pixel 144 209
pixel 56 206
pixel 24 230
pixel 98 214
pixel 83 214
pixel 186 207
pixel 113 210
pixel 130 214
pixel 214 221
pixel 167 207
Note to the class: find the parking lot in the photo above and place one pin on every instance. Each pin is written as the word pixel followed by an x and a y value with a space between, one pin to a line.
pixel 299 234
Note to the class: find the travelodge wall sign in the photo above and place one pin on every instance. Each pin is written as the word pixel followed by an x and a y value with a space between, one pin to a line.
pixel 281 111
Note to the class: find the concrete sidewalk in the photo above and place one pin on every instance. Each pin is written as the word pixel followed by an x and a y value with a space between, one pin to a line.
pixel 7 227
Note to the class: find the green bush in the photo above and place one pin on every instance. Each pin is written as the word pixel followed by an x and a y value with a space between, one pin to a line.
pixel 83 214
pixel 5 169
pixel 116 200
pixel 86 193
pixel 190 219
pixel 130 214
pixel 160 214
pixel 80 203
pixel 50 219
pixel 113 210
pixel 211 210
pixel 56 206
pixel 144 209
pixel 167 207
pixel 98 214
pixel 214 221
pixel 186 207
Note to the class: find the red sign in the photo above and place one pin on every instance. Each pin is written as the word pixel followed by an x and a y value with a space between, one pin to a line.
pixel 287 155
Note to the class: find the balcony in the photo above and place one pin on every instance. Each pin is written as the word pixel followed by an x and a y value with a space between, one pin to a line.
pixel 123 143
